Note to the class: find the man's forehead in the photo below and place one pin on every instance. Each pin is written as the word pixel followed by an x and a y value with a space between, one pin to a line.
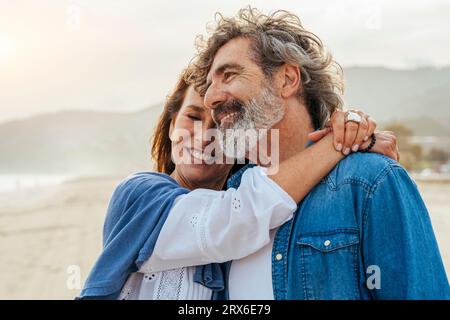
pixel 235 53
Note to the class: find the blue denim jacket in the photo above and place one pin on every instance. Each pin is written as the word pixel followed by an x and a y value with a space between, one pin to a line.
pixel 362 233
pixel 136 213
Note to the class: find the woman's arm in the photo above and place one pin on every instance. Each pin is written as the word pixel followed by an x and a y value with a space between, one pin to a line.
pixel 206 226
pixel 300 173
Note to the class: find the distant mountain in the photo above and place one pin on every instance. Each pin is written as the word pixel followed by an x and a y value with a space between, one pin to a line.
pixel 78 142
pixel 422 93
pixel 426 126
pixel 85 142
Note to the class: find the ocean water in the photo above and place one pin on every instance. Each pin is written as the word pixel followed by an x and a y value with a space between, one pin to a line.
pixel 17 182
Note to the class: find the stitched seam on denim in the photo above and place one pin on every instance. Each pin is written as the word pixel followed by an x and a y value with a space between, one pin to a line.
pixel 368 186
pixel 354 181
pixel 285 262
pixel 331 232
pixel 303 262
pixel 284 289
pixel 381 176
pixel 367 204
pixel 379 179
pixel 274 268
pixel 274 271
pixel 355 269
pixel 330 183
pixel 276 244
pixel 330 250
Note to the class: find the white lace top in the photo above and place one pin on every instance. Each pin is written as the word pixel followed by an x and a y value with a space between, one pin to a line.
pixel 176 284
pixel 207 226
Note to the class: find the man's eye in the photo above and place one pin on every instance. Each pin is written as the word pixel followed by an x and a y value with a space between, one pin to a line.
pixel 228 75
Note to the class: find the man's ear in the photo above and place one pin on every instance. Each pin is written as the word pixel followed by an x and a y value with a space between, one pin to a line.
pixel 291 80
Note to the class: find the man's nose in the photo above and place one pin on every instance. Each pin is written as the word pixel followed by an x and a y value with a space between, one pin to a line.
pixel 214 96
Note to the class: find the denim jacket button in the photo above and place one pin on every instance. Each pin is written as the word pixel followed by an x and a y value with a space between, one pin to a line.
pixel 327 243
pixel 279 256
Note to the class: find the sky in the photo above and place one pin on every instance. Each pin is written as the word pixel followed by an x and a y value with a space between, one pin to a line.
pixel 122 56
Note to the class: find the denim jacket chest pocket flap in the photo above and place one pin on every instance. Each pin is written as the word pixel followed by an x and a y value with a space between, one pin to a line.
pixel 329 241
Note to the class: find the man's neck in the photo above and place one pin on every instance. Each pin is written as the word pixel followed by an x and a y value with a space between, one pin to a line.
pixel 293 129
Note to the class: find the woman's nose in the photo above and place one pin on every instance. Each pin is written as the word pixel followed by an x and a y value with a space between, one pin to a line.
pixel 204 136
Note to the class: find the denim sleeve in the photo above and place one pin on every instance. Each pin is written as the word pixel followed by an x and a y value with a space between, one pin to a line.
pixel 400 252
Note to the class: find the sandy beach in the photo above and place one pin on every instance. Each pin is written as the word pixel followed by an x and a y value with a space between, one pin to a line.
pixel 48 233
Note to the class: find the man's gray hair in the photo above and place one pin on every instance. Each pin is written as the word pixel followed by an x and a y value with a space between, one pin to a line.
pixel 277 39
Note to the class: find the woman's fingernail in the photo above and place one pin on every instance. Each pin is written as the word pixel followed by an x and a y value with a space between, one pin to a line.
pixel 339 147
pixel 347 151
pixel 366 138
pixel 355 148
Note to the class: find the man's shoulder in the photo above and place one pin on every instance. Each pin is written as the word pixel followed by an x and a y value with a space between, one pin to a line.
pixel 344 192
pixel 363 168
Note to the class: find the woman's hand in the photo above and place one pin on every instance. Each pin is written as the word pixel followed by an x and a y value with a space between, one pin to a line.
pixel 386 144
pixel 348 136
pixel 351 134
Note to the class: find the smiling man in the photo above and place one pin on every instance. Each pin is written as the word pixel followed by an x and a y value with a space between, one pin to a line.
pixel 364 231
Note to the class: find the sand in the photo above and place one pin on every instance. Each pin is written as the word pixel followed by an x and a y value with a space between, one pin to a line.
pixel 48 234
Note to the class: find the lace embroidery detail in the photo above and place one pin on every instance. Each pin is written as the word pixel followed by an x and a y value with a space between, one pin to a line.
pixel 236 203
pixel 202 227
pixel 125 293
pixel 149 277
pixel 171 285
pixel 194 220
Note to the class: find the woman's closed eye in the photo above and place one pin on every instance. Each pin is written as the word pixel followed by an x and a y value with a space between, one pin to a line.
pixel 194 117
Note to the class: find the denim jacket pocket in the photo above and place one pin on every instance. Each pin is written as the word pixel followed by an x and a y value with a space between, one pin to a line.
pixel 329 264
pixel 326 242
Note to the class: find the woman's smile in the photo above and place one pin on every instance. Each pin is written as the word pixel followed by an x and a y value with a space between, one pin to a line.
pixel 201 155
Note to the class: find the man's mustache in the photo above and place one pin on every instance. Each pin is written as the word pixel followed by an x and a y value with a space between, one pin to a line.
pixel 233 105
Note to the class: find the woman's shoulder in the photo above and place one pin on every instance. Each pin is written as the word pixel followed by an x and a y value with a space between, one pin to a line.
pixel 142 181
pixel 139 190
pixel 148 177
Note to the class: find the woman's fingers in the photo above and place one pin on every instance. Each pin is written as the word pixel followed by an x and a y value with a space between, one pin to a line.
pixel 338 125
pixel 319 134
pixel 351 130
pixel 362 132
pixel 349 136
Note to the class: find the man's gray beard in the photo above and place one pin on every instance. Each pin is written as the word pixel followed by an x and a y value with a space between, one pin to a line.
pixel 261 112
